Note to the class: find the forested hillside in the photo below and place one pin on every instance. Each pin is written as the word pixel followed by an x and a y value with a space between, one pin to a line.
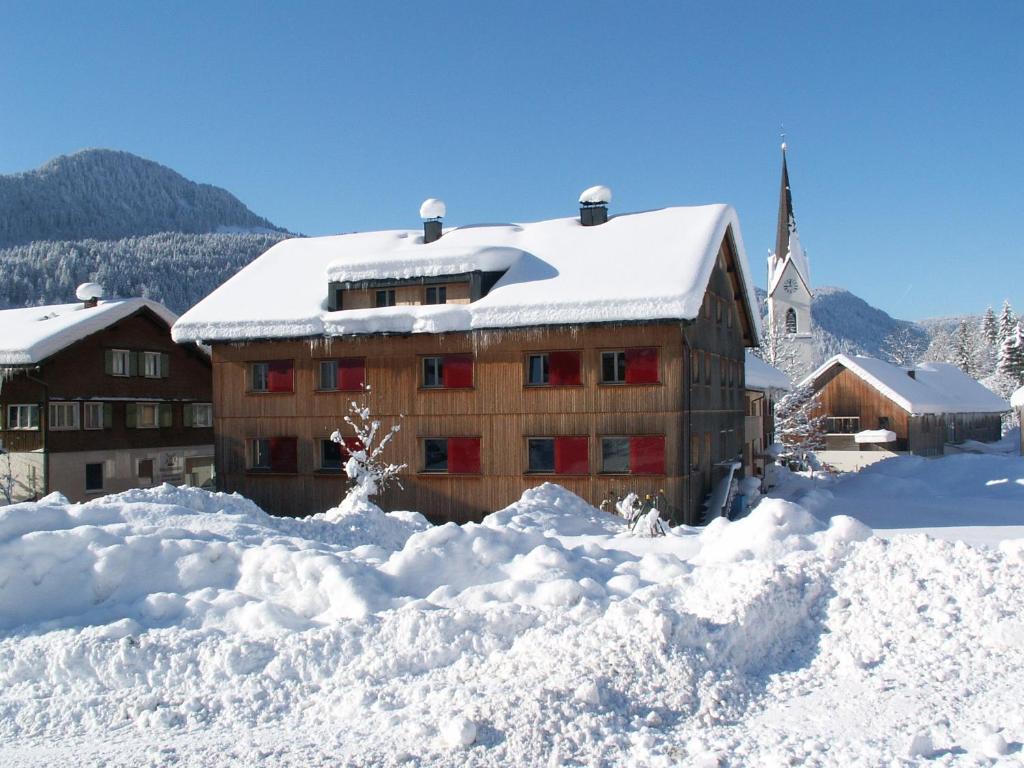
pixel 108 195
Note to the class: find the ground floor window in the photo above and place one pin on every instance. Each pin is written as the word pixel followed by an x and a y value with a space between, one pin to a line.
pixel 94 477
pixel 558 455
pixel 274 454
pixel 145 471
pixel 454 455
pixel 638 455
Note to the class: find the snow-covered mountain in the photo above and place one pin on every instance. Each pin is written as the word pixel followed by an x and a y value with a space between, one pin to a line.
pixel 844 322
pixel 133 225
pixel 107 195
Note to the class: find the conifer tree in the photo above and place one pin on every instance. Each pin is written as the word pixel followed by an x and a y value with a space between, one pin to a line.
pixel 990 328
pixel 1011 356
pixel 1007 322
pixel 965 349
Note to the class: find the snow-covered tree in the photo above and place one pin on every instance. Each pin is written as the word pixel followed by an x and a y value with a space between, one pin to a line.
pixel 366 468
pixel 902 347
pixel 1011 356
pixel 990 328
pixel 1007 322
pixel 800 422
pixel 778 350
pixel 965 349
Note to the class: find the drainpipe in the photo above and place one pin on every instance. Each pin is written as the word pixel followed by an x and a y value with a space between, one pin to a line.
pixel 44 426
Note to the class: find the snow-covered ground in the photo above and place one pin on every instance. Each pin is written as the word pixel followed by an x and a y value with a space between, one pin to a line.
pixel 176 627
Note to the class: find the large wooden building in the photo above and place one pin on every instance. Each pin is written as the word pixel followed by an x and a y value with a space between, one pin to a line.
pixel 604 354
pixel 95 398
pixel 876 409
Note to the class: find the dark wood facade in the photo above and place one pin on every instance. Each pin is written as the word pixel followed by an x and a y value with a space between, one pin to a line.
pixel 845 395
pixel 79 374
pixel 696 404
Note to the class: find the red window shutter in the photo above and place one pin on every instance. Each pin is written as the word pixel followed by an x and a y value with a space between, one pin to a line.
pixel 464 455
pixel 571 456
pixel 647 455
pixel 280 376
pixel 458 371
pixel 284 454
pixel 642 365
pixel 563 368
pixel 351 373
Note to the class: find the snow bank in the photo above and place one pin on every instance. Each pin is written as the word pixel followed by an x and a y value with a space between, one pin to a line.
pixel 173 626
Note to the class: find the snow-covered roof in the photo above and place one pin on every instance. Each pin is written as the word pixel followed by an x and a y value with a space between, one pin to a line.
pixel 761 376
pixel 934 388
pixel 874 436
pixel 640 266
pixel 32 334
pixel 1017 398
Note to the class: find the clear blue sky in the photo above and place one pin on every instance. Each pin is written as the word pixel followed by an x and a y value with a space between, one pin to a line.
pixel 905 120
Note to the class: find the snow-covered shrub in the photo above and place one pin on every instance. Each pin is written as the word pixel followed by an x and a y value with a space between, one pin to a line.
pixel 369 472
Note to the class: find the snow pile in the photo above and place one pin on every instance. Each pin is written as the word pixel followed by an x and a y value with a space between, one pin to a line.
pixel 173 626
pixel 874 436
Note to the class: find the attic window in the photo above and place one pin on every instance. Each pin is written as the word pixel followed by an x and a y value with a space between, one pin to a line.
pixel 385 298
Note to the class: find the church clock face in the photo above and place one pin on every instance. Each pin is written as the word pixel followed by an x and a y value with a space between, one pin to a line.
pixel 790 285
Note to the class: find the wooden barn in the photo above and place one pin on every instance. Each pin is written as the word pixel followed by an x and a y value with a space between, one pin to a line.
pixel 876 409
pixel 95 398
pixel 604 353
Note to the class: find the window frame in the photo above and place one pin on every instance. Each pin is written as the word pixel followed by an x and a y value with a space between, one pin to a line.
pixel 791 328
pixel 29 408
pixel 268 367
pixel 448 367
pixel 156 359
pixel 68 406
pixel 259 447
pixel 343 454
pixel 559 446
pixel 340 368
pixel 86 407
pixel 198 408
pixel 439 291
pixel 140 408
pixel 545 362
pixel 616 364
pixel 447 470
pixel 124 355
pixel 630 442
pixel 389 295
pixel 844 421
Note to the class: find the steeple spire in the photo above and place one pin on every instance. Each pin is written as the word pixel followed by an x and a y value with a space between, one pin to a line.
pixel 785 210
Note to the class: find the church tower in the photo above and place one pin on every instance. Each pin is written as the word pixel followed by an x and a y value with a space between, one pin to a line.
pixel 789 280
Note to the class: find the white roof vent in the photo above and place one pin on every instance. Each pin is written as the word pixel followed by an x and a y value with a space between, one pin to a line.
pixel 90 293
pixel 432 208
pixel 599 195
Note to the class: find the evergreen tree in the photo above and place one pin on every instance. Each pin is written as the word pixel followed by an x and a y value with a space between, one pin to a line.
pixel 965 349
pixel 800 422
pixel 990 328
pixel 1007 323
pixel 1011 356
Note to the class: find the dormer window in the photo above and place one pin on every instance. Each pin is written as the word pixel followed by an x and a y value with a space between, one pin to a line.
pixel 385 298
pixel 436 294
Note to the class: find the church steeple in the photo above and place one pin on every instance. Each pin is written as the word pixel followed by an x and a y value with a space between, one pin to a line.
pixel 785 211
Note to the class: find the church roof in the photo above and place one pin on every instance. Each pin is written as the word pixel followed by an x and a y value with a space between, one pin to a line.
pixel 787 239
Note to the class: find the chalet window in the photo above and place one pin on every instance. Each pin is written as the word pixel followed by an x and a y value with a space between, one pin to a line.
pixel 272 376
pixel 448 372
pixel 640 455
pixel 553 369
pixel 155 365
pixel 120 362
pixel 199 415
pixel 274 454
pixel 790 320
pixel 385 298
pixel 63 416
pixel 332 456
pixel 436 295
pixel 345 374
pixel 454 455
pixel 695 367
pixel 145 471
pixel 23 417
pixel 96 415
pixel 843 425
pixel 718 310
pixel 638 365
pixel 149 415
pixel 707 367
pixel 558 455
pixel 94 477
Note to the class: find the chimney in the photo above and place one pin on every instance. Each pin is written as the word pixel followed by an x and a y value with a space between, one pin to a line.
pixel 89 294
pixel 594 205
pixel 432 211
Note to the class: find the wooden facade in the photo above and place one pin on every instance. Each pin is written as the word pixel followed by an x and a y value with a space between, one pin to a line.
pixel 78 375
pixel 846 396
pixel 697 406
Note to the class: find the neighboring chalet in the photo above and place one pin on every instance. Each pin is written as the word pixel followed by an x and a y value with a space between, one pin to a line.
pixel 602 353
pixel 765 385
pixel 95 398
pixel 876 409
pixel 1017 401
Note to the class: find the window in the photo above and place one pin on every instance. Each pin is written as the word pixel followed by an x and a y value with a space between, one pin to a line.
pixel 554 369
pixel 843 425
pixel 274 454
pixel 695 451
pixel 94 477
pixel 448 372
pixel 695 367
pixel 883 422
pixel 119 362
pixel 631 366
pixel 147 415
pixel 718 310
pixel 707 367
pixel 272 376
pixel 63 416
pixel 145 471
pixel 154 365
pixel 454 455
pixel 95 415
pixel 23 417
pixel 385 298
pixel 347 373
pixel 641 455
pixel 436 295
pixel 332 456
pixel 199 415
pixel 790 320
pixel 559 455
